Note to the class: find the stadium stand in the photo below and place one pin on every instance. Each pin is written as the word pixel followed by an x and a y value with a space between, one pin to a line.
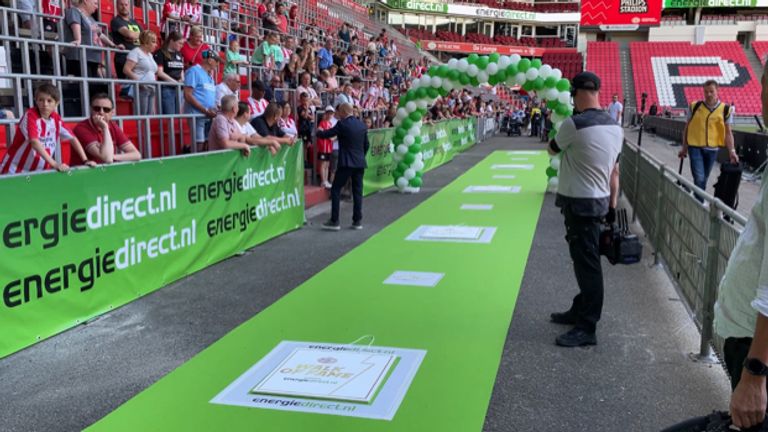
pixel 570 63
pixel 761 50
pixel 674 71
pixel 603 59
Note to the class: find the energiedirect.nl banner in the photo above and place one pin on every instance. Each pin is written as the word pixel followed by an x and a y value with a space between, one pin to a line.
pixel 80 244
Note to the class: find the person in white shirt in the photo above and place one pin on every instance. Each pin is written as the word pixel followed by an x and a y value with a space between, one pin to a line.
pixel 616 109
pixel 229 85
pixel 256 101
pixel 251 136
pixel 286 122
pixel 741 311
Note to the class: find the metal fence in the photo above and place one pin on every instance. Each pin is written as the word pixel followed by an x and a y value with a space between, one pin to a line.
pixel 691 239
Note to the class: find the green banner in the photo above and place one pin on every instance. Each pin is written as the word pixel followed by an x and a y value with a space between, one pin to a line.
pixel 421 6
pixel 78 245
pixel 440 142
pixel 684 4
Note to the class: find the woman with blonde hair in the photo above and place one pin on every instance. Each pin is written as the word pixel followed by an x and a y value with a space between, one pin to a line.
pixel 193 49
pixel 140 66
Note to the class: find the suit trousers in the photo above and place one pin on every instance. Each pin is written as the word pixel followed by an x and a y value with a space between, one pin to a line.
pixel 583 236
pixel 339 180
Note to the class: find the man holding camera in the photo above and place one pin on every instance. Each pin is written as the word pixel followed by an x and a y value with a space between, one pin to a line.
pixel 589 143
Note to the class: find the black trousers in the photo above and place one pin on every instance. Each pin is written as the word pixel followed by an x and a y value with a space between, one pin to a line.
pixel 339 180
pixel 583 236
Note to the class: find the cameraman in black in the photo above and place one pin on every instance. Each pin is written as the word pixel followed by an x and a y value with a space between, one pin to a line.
pixel 589 144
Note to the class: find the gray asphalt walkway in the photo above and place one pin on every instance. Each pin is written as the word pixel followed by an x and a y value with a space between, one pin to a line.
pixel 637 379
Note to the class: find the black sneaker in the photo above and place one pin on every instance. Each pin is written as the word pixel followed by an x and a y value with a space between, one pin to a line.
pixel 563 318
pixel 575 338
pixel 331 226
pixel 357 226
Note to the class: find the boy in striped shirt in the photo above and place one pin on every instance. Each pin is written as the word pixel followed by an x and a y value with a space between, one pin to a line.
pixel 38 134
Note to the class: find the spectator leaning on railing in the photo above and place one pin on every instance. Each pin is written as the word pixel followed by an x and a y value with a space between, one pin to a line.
pixel 256 101
pixel 267 125
pixel 286 122
pixel 251 136
pixel 200 97
pixel 171 17
pixel 104 141
pixel 191 15
pixel 141 66
pixel 229 85
pixel 225 131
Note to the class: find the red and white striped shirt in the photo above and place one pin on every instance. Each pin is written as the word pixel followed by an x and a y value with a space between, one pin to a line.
pixel 195 14
pixel 257 106
pixel 21 157
pixel 288 126
pixel 371 98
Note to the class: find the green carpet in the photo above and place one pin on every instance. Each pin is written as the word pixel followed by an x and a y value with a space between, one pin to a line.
pixel 461 323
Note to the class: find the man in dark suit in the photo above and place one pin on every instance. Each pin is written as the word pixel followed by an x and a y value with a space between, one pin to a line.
pixel 353 145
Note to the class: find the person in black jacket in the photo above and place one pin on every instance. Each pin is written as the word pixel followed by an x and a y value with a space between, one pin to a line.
pixel 353 145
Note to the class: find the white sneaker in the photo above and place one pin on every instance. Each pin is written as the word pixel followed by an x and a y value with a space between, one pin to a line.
pixel 327 185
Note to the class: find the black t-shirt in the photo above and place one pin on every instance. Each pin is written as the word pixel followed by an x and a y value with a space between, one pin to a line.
pixel 260 124
pixel 115 25
pixel 172 66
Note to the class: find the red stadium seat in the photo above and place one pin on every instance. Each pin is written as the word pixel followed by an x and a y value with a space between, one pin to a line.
pixel 603 59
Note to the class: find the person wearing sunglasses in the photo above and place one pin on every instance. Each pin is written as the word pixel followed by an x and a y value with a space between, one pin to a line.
pixel 103 140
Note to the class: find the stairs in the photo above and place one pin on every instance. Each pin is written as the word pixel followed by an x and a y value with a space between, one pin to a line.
pixel 754 61
pixel 627 82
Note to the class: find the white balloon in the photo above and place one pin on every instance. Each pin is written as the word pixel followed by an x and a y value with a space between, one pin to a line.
pixel 558 124
pixel 421 103
pixel 556 73
pixel 411 106
pixel 545 71
pixel 472 70
pixel 402 182
pixel 418 165
pixel 492 68
pixel 514 59
pixel 408 140
pixel 414 131
pixel 482 77
pixel 437 82
pixel 419 156
pixel 409 173
pixel 447 85
pixel 402 149
pixel 418 125
pixel 504 62
pixel 520 78
pixel 511 81
pixel 397 122
pixel 397 156
pixel 462 65
pixel 553 182
pixel 555 163
pixel 556 118
pixel 531 74
pixel 551 94
pixel 564 97
pixel 426 81
pixel 452 63
pixel 401 113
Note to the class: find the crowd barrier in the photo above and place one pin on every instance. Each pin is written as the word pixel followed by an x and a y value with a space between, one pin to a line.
pixel 80 244
pixel 693 241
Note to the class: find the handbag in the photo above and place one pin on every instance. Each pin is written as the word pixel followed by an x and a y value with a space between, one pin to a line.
pixel 618 244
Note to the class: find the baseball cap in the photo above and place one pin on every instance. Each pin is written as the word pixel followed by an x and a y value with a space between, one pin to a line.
pixel 585 81
pixel 212 55
pixel 329 109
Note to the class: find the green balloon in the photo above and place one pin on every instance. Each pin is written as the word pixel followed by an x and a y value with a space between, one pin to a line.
pixel 453 75
pixel 524 65
pixel 536 63
pixel 502 75
pixel 472 59
pixel 442 92
pixel 552 104
pixel 414 148
pixel 433 93
pixel 409 158
pixel 464 79
pixel 401 166
pixel 406 124
pixel 400 132
pixel 482 63
pixel 552 134
pixel 397 140
pixel 423 112
pixel 562 109
pixel 528 86
pixel 421 93
pixel 568 113
pixel 563 85
pixel 415 116
pixel 550 82
pixel 417 140
pixel 474 81
pixel 492 80
pixel 397 174
pixel 442 71
pixel 403 100
pixel 512 70
pixel 494 57
pixel 538 84
pixel 432 71
pixel 551 172
pixel 415 182
pixel 419 174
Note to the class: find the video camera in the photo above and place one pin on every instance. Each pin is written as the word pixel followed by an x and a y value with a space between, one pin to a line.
pixel 618 244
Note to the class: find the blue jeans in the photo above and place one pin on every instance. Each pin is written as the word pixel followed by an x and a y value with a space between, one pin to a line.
pixel 169 99
pixel 702 160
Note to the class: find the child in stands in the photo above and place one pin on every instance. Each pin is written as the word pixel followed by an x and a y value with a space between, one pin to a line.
pixel 38 135
pixel 325 146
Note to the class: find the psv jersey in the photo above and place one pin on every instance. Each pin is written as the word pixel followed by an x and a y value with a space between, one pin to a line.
pixel 21 157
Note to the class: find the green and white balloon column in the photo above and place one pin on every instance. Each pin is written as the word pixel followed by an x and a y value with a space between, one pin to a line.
pixel 474 70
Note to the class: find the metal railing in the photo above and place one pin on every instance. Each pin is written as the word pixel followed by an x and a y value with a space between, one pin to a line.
pixel 692 240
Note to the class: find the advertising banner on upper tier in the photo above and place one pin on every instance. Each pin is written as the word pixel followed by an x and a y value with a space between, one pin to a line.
pixel 77 245
pixel 467 47
pixel 685 4
pixel 427 7
pixel 620 12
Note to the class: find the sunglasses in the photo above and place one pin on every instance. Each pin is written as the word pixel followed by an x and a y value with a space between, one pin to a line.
pixel 102 109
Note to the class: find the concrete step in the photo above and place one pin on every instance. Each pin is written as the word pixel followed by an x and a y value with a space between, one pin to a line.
pixel 314 195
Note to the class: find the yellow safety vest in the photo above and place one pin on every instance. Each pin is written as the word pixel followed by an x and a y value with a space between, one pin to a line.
pixel 707 128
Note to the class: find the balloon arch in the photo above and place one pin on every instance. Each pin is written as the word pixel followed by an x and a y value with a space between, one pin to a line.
pixel 474 70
